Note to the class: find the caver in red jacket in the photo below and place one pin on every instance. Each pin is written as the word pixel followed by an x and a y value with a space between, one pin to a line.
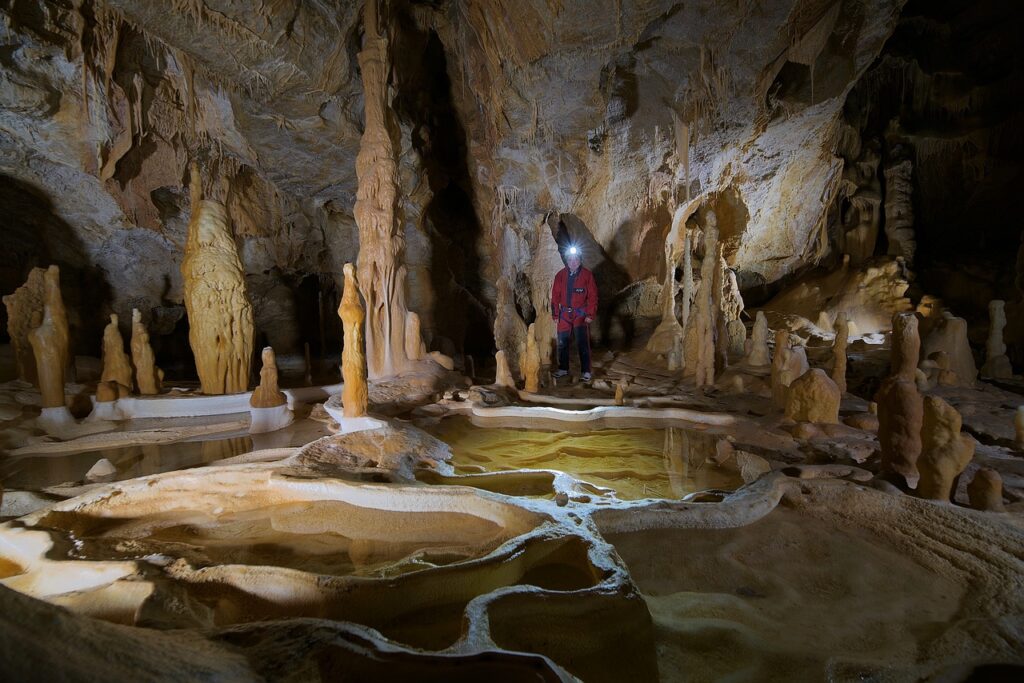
pixel 573 298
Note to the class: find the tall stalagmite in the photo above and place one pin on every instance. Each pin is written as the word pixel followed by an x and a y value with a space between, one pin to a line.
pixel 148 377
pixel 900 407
pixel 220 316
pixel 116 366
pixel 49 341
pixel 353 358
pixel 381 243
pixel 25 303
pixel 842 328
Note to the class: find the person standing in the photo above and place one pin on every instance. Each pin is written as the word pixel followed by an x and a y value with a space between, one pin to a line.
pixel 573 307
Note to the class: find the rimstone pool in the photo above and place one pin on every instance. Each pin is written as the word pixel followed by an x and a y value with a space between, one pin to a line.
pixel 629 464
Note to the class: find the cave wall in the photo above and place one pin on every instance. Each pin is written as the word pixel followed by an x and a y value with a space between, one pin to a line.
pixel 611 112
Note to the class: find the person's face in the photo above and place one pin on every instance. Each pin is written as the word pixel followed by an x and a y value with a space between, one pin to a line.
pixel 573 261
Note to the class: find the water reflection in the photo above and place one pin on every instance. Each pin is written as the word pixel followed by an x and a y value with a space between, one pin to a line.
pixel 635 463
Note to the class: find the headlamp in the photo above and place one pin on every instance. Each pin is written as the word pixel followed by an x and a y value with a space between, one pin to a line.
pixel 573 251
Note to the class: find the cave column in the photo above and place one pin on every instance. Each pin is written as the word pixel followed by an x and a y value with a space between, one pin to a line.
pixel 381 245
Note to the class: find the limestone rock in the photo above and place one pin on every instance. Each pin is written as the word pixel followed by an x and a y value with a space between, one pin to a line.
pixel 49 341
pixel 985 491
pixel 813 397
pixel 354 395
pixel 949 334
pixel 503 376
pixel 906 346
pixel 103 470
pixel 268 394
pixel 220 316
pixel 737 333
pixel 842 329
pixel 415 349
pixel 116 366
pixel 531 376
pixel 865 421
pixel 758 354
pixel 1018 426
pixel 23 305
pixel 945 452
pixel 997 364
pixel 381 241
pixel 787 365
pixel 900 415
pixel 148 377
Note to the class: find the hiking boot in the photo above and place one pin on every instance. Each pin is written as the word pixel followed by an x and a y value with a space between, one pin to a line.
pixel 560 374
pixel 586 376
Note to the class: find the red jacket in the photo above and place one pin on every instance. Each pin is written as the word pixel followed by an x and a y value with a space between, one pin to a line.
pixel 571 309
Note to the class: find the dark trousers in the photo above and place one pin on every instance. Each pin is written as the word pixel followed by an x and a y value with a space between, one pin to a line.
pixel 582 344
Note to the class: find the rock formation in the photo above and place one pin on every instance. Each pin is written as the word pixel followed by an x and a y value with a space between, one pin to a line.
pixel 220 316
pixel 116 366
pixel 148 377
pixel 699 348
pixel 736 331
pixel 813 397
pixel 997 365
pixel 949 334
pixel 381 242
pixel 842 329
pixel 49 341
pixel 758 354
pixel 669 330
pixel 531 374
pixel 22 306
pixel 861 219
pixel 1018 426
pixel 945 452
pixel 503 375
pixel 985 492
pixel 787 365
pixel 900 407
pixel 268 394
pixel 415 349
pixel 354 395
pixel 899 210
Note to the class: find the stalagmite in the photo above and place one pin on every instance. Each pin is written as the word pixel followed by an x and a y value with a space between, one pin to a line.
pixel 949 334
pixel 116 367
pixel 353 361
pixel 687 278
pixel 985 492
pixel 220 316
pixel 620 393
pixel 699 349
pixel 787 365
pixel 997 364
pixel 737 333
pixel 269 406
pixel 758 354
pixel 415 349
pixel 719 315
pixel 268 394
pixel 25 303
pixel 842 329
pixel 531 375
pixel 148 377
pixel 813 397
pixel 900 408
pixel 503 376
pixel 381 241
pixel 945 452
pixel 49 341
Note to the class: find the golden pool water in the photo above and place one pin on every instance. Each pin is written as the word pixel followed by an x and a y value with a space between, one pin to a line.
pixel 633 463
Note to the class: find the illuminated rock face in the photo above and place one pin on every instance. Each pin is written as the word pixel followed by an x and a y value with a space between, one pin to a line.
pixel 49 341
pixel 220 316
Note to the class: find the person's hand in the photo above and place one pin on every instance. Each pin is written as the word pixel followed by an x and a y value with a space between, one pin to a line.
pixel 589 320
